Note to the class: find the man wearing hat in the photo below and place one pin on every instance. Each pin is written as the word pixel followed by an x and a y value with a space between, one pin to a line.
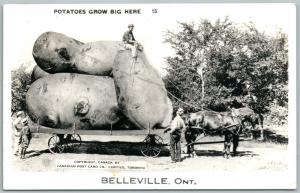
pixel 176 128
pixel 17 126
pixel 25 138
pixel 130 42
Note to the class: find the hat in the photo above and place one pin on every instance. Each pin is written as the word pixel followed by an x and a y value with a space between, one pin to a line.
pixel 19 113
pixel 130 25
pixel 180 109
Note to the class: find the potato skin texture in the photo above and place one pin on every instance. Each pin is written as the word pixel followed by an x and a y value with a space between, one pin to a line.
pixel 141 93
pixel 37 73
pixel 52 100
pixel 137 92
pixel 58 53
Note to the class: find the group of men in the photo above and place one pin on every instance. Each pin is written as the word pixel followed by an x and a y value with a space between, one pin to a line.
pixel 22 134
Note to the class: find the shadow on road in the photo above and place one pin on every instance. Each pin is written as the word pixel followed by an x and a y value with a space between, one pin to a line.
pixel 215 153
pixel 33 153
pixel 105 148
pixel 115 148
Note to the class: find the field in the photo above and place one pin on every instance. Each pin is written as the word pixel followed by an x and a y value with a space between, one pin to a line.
pixel 252 155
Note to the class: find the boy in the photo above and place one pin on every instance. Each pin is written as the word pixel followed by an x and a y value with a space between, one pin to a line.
pixel 25 138
pixel 17 125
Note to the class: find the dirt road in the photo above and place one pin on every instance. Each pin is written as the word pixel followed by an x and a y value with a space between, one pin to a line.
pixel 252 156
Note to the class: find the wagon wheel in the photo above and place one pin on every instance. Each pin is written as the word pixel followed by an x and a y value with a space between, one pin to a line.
pixel 152 145
pixel 55 145
pixel 73 141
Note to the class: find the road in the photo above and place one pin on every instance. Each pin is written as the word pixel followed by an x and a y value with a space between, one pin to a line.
pixel 252 156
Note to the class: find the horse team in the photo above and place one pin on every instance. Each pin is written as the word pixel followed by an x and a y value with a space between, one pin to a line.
pixel 231 124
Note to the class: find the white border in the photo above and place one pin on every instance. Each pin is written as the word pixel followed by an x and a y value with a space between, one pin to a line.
pixel 211 180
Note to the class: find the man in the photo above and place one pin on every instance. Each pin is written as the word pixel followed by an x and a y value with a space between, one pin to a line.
pixel 177 126
pixel 130 42
pixel 25 138
pixel 17 131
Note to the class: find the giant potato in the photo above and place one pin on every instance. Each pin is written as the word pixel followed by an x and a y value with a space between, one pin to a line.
pixel 56 52
pixel 59 100
pixel 37 73
pixel 141 93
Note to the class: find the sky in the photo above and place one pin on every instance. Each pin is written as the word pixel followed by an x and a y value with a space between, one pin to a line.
pixel 24 23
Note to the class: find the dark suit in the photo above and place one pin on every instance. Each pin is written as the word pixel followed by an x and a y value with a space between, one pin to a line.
pixel 128 37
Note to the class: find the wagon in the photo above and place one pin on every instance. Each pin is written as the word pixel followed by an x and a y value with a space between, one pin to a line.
pixel 69 139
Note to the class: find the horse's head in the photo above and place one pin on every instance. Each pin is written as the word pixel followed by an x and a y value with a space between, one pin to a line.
pixel 190 121
pixel 194 119
pixel 251 121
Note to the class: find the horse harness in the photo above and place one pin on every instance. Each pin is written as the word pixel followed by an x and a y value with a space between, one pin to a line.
pixel 206 132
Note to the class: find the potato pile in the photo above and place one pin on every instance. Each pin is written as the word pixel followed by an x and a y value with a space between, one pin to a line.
pixel 95 85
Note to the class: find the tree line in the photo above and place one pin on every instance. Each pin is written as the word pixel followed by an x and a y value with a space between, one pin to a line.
pixel 220 65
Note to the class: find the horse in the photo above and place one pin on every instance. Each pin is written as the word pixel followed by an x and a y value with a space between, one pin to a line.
pixel 209 122
pixel 250 120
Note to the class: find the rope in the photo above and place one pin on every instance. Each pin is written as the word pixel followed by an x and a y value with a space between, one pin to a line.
pixel 144 79
pixel 186 67
pixel 188 104
pixel 132 67
pixel 184 94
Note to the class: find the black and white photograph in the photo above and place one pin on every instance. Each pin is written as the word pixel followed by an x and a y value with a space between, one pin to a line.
pixel 149 96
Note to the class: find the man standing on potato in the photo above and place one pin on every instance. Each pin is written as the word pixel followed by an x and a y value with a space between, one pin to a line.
pixel 130 42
